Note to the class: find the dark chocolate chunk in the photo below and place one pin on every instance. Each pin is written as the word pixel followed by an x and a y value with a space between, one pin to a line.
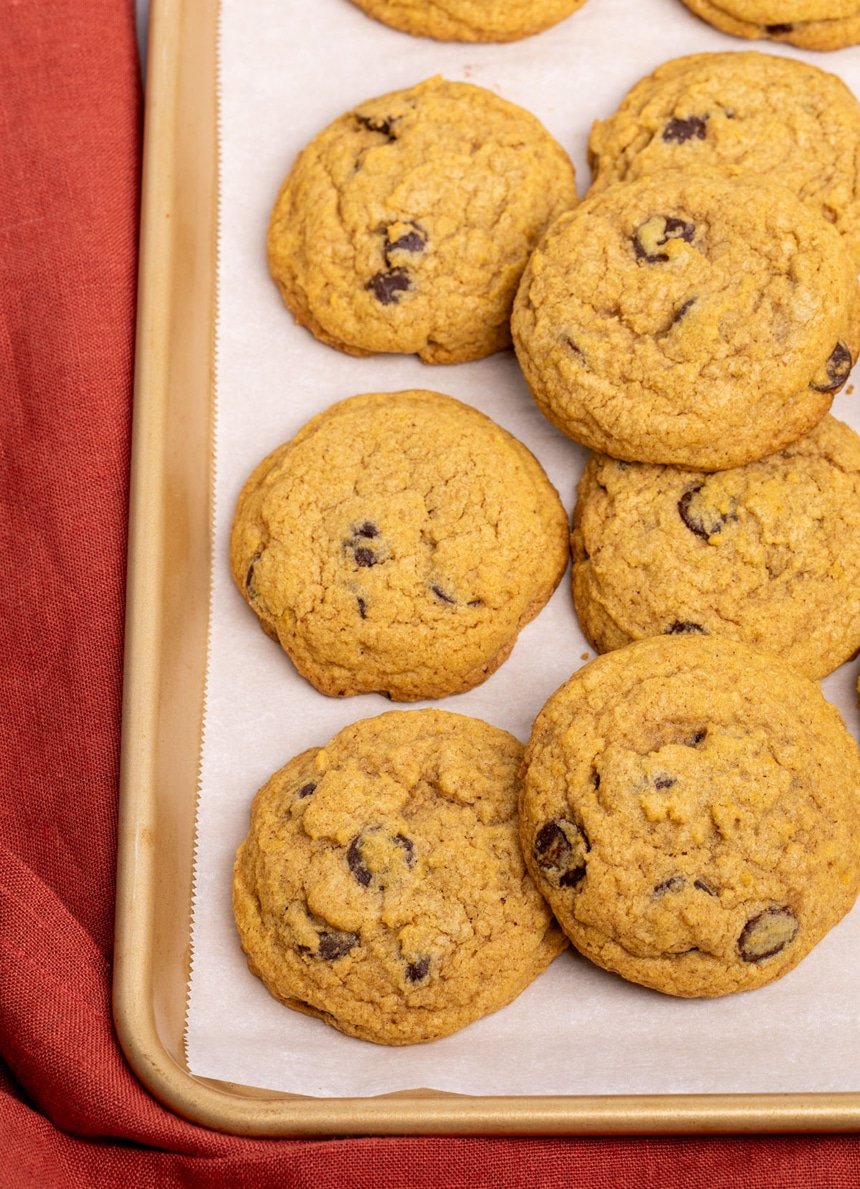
pixel 777 30
pixel 306 789
pixel 697 737
pixel 384 126
pixel 664 782
pixel 683 309
pixel 695 526
pixel 356 862
pixel 249 576
pixel 702 886
pixel 386 286
pixel 681 130
pixel 767 933
pixel 675 883
pixel 335 944
pixel 414 240
pixel 365 557
pixel 362 606
pixel 440 594
pixel 837 368
pixel 408 847
pixel 574 348
pixel 681 626
pixel 706 521
pixel 658 231
pixel 366 529
pixel 560 848
pixel 595 778
pixel 416 972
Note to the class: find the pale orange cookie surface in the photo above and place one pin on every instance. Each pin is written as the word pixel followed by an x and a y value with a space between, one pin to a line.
pixel 398 544
pixel 406 224
pixel 470 20
pixel 381 886
pixel 691 810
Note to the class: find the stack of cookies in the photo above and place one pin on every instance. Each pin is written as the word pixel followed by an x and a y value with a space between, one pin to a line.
pixel 687 807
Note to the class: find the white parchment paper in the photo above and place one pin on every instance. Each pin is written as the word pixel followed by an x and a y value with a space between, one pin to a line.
pixel 288 67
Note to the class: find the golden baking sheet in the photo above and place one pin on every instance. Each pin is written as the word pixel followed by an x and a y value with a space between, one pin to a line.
pixel 174 564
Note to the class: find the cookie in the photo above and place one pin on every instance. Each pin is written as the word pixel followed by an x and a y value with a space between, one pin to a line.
pixel 768 553
pixel 470 20
pixel 381 886
pixel 406 224
pixel 688 319
pixel 810 24
pixel 690 810
pixel 398 544
pixel 741 113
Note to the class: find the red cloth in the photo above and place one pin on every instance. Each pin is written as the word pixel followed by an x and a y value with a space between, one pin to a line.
pixel 71 1112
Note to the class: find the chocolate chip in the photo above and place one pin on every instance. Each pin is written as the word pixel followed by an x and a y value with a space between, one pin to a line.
pixel 837 368
pixel 664 782
pixel 356 863
pixel 702 525
pixel 440 594
pixel 682 310
pixel 697 737
pixel 595 778
pixel 674 884
pixel 306 789
pixel 573 347
pixel 704 887
pixel 386 286
pixel 249 576
pixel 657 232
pixel 560 848
pixel 408 847
pixel 776 30
pixel 416 972
pixel 476 603
pixel 362 606
pixel 335 944
pixel 681 626
pixel 767 933
pixel 367 529
pixel 681 130
pixel 413 240
pixel 365 557
pixel 384 126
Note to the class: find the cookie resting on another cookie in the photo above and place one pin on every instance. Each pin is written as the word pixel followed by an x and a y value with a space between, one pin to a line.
pixel 809 24
pixel 767 553
pixel 381 886
pixel 406 224
pixel 688 319
pixel 691 810
pixel 398 544
pixel 470 20
pixel 741 113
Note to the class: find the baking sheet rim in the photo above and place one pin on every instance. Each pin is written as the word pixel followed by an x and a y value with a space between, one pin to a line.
pixel 183 70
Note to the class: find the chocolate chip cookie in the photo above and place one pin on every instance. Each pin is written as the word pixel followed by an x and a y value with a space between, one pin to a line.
pixel 741 113
pixel 382 887
pixel 767 553
pixel 810 24
pixel 470 20
pixel 405 225
pixel 398 544
pixel 690 810
pixel 695 320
